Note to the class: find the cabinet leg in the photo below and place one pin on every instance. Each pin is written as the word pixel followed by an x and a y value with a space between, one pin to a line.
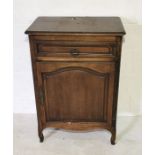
pixel 113 137
pixel 41 137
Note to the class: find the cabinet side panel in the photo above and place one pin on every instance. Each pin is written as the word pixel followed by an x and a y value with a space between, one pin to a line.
pixel 40 110
pixel 116 83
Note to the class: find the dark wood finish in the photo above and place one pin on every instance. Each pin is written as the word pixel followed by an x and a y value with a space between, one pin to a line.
pixel 77 24
pixel 76 63
pixel 78 126
pixel 91 86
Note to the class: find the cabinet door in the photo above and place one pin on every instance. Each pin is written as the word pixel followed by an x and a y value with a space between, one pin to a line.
pixel 76 92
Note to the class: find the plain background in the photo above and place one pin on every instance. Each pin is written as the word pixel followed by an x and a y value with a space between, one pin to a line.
pixel 6 80
pixel 26 11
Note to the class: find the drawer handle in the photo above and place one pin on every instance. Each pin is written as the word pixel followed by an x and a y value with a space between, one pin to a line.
pixel 74 52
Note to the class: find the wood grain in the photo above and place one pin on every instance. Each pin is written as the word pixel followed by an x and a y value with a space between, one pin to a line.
pixel 76 65
pixel 78 126
pixel 77 24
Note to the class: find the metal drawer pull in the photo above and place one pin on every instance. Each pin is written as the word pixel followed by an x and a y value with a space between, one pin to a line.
pixel 74 52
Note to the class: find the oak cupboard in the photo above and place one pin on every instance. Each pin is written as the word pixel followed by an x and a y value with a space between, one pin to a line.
pixel 76 64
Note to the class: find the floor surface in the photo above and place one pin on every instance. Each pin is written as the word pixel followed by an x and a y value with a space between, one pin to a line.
pixel 59 142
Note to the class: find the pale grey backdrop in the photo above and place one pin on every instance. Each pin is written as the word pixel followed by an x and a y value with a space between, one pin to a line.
pixel 25 11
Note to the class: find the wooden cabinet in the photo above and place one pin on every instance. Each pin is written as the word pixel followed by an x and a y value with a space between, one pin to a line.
pixel 76 64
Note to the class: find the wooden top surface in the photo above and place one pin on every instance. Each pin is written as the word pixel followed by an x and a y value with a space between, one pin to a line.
pixel 104 25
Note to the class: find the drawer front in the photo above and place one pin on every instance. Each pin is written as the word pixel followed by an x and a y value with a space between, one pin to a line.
pixel 75 47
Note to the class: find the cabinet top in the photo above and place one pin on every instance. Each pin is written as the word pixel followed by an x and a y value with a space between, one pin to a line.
pixel 104 25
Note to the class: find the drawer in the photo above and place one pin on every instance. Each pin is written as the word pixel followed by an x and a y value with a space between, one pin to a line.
pixel 75 49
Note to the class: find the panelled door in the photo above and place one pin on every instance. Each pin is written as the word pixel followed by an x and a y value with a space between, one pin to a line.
pixel 72 91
